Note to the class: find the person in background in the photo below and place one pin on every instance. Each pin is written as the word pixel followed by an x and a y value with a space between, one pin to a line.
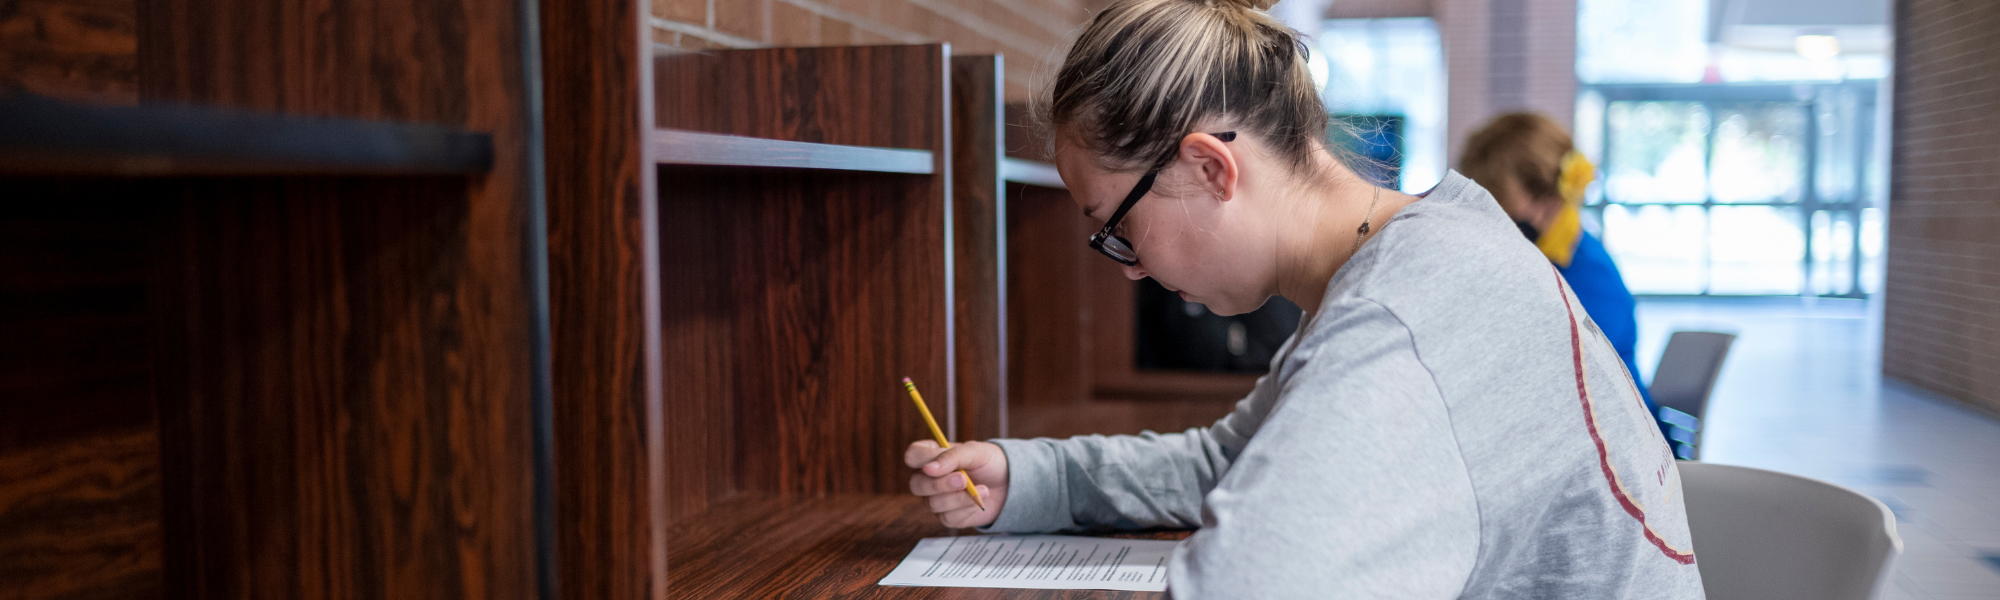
pixel 1527 162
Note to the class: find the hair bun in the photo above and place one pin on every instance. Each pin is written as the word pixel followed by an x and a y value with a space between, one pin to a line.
pixel 1248 4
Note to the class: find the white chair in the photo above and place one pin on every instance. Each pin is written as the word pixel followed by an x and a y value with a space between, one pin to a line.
pixel 1767 535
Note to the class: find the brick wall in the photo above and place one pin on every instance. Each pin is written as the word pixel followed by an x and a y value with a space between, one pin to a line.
pixel 1503 56
pixel 1941 328
pixel 1029 32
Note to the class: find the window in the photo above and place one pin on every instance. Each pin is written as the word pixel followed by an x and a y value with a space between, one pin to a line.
pixel 1747 190
pixel 1386 78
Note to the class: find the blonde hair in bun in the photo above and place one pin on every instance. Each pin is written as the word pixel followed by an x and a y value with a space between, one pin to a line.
pixel 1143 73
pixel 1250 4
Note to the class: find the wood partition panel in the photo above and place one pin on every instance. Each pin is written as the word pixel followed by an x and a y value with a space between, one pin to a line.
pixel 79 50
pixel 794 301
pixel 979 207
pixel 350 375
pixel 343 411
pixel 604 300
pixel 79 439
pixel 317 385
pixel 1047 317
pixel 882 96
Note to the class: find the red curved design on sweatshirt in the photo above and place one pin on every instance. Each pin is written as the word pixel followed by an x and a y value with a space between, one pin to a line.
pixel 1603 455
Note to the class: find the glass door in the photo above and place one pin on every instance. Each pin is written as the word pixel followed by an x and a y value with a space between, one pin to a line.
pixel 1737 190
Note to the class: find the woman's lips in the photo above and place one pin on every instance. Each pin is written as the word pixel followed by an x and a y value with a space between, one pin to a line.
pixel 1184 297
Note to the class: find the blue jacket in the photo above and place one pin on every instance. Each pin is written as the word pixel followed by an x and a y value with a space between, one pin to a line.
pixel 1602 291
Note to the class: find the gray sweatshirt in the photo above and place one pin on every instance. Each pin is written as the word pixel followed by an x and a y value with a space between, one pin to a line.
pixel 1447 424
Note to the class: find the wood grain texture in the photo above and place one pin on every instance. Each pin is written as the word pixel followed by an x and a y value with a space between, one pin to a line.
pixel 1222 389
pixel 1114 327
pixel 1026 140
pixel 1046 309
pixel 882 96
pixel 343 396
pixel 345 364
pixel 82 50
pixel 604 300
pixel 81 518
pixel 979 204
pixel 79 448
pixel 794 301
pixel 831 547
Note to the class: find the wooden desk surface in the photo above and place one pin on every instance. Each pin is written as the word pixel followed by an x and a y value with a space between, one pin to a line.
pixel 832 547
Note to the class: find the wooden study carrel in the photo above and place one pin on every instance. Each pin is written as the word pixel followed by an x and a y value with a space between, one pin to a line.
pixel 270 322
pixel 512 308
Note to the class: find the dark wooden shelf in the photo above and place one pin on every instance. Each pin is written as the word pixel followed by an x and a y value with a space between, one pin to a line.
pixel 1165 385
pixel 830 547
pixel 45 136
pixel 677 147
pixel 1031 172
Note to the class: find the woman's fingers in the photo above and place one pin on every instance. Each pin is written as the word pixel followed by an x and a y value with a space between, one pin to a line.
pixel 925 485
pixel 920 452
pixel 947 502
pixel 942 474
pixel 968 456
pixel 968 516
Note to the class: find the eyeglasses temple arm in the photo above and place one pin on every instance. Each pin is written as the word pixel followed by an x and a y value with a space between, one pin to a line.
pixel 1138 191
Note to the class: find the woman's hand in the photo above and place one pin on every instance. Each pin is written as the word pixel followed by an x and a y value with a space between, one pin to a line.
pixel 938 481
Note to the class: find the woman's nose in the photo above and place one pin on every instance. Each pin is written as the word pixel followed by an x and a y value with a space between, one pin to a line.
pixel 1134 272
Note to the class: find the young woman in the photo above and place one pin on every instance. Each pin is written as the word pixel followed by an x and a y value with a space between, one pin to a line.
pixel 1446 422
pixel 1527 162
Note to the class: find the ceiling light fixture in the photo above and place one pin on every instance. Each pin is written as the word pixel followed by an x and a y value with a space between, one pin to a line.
pixel 1817 46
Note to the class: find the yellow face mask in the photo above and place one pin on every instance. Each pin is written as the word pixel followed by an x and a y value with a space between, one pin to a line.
pixel 1558 242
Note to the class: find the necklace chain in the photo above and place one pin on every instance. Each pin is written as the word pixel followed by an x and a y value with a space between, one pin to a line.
pixel 1362 232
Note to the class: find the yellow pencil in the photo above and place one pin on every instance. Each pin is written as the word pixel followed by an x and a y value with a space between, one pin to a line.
pixel 939 434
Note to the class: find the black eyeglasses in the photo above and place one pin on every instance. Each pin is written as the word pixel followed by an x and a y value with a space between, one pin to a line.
pixel 1119 248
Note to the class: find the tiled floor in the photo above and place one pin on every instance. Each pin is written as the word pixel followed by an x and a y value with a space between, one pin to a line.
pixel 1802 393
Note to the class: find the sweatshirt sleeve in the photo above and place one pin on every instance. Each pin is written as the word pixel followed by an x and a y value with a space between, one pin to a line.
pixel 1127 481
pixel 1119 482
pixel 1355 487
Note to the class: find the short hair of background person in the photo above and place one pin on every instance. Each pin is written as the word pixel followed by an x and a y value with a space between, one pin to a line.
pixel 1518 157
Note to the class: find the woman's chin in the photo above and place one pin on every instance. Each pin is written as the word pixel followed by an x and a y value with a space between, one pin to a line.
pixel 1193 299
pixel 1226 308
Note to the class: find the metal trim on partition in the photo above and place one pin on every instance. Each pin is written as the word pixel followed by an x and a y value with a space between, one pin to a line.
pixel 535 250
pixel 677 147
pixel 1031 173
pixel 943 166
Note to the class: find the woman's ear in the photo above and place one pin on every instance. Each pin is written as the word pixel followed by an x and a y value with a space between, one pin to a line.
pixel 1214 161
